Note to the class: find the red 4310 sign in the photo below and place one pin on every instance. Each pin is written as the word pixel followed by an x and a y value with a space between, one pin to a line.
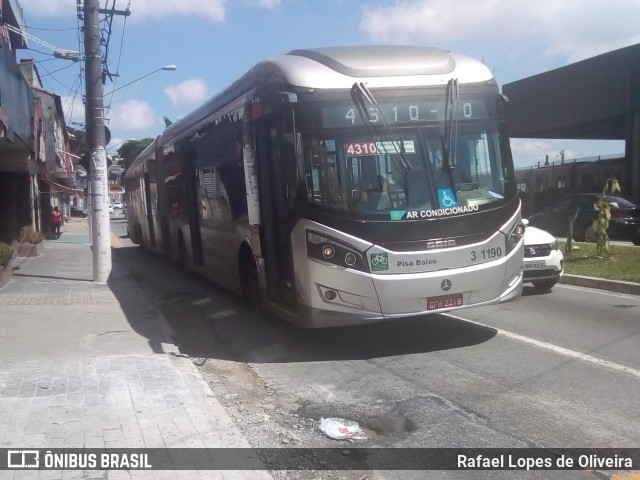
pixel 361 149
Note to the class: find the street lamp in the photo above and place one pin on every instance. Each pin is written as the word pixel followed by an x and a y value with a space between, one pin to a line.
pixel 166 67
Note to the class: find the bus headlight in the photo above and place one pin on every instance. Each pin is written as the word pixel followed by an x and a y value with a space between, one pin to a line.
pixel 515 236
pixel 350 259
pixel 335 252
pixel 328 251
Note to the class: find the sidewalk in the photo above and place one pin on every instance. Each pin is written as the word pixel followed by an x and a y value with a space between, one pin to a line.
pixel 84 365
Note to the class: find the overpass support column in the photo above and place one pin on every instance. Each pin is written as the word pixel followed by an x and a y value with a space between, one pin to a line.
pixel 632 155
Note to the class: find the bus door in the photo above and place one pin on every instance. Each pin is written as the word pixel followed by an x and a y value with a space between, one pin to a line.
pixel 191 188
pixel 149 208
pixel 277 175
pixel 162 210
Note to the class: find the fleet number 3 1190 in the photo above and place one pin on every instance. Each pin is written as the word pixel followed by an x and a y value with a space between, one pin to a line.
pixel 486 254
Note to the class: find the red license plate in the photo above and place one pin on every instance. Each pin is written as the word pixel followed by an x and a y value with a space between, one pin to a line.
pixel 445 301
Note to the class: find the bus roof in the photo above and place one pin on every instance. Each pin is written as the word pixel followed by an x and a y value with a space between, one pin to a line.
pixel 339 67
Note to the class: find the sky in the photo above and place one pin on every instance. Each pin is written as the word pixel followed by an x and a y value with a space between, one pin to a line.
pixel 213 42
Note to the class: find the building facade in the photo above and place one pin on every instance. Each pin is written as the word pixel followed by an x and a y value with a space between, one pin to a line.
pixel 545 183
pixel 36 165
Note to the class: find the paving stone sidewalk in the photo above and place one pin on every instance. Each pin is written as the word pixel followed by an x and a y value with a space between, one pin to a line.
pixel 84 365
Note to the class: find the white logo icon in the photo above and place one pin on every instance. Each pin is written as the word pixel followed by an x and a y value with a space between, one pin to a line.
pixel 23 459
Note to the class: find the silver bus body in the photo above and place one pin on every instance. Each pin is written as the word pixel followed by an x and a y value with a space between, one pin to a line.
pixel 263 185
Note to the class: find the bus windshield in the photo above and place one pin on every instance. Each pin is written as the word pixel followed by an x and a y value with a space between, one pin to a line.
pixel 367 174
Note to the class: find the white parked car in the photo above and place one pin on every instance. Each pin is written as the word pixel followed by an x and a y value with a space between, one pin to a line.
pixel 117 204
pixel 543 262
pixel 110 208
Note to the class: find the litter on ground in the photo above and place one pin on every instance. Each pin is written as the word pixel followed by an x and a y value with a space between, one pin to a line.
pixel 341 429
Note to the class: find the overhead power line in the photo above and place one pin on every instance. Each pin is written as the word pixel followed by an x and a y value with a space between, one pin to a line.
pixel 57 52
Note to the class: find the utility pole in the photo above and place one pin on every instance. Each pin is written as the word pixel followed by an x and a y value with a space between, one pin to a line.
pixel 95 131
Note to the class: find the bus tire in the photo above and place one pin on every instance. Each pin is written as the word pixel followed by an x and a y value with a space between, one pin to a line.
pixel 139 239
pixel 250 279
pixel 183 257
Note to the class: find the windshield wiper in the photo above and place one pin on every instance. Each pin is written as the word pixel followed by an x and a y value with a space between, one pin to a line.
pixel 450 137
pixel 361 93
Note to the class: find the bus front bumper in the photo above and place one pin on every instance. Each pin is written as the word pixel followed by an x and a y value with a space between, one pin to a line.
pixel 400 296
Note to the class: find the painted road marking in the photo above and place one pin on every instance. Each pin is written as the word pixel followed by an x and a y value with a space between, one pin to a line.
pixel 630 296
pixel 556 349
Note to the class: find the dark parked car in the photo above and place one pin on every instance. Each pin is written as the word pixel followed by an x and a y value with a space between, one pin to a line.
pixel 76 212
pixel 624 223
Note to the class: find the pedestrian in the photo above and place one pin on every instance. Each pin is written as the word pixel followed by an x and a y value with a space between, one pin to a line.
pixel 56 221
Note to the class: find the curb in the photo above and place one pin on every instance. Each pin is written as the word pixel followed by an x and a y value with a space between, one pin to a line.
pixel 630 288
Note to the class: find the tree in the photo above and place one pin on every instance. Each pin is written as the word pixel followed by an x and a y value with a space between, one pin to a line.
pixel 131 149
pixel 601 223
pixel 568 249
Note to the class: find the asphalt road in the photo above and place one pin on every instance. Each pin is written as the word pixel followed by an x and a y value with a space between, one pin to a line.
pixel 592 322
pixel 559 369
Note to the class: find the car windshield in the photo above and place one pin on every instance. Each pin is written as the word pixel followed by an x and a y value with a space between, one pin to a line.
pixel 369 174
pixel 622 202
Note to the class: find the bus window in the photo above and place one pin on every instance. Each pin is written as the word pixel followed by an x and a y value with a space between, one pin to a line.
pixel 367 174
pixel 325 180
pixel 476 173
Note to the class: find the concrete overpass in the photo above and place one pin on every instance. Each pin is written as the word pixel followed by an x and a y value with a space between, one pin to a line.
pixel 595 99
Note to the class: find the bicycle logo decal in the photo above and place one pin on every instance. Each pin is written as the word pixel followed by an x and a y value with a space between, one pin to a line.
pixel 379 261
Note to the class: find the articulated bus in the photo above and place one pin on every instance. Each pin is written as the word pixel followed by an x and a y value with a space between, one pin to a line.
pixel 341 185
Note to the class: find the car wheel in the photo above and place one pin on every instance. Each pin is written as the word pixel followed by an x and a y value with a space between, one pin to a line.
pixel 590 234
pixel 544 285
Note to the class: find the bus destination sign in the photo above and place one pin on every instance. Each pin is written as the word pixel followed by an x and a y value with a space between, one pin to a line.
pixel 401 113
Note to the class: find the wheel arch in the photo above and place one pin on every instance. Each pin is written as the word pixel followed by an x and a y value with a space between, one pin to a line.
pixel 247 261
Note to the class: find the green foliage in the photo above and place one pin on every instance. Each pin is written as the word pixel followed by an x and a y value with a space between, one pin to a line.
pixel 587 262
pixel 29 235
pixel 131 149
pixel 6 253
pixel 569 247
pixel 601 223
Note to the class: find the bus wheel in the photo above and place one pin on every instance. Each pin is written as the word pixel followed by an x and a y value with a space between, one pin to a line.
pixel 183 257
pixel 139 238
pixel 251 281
